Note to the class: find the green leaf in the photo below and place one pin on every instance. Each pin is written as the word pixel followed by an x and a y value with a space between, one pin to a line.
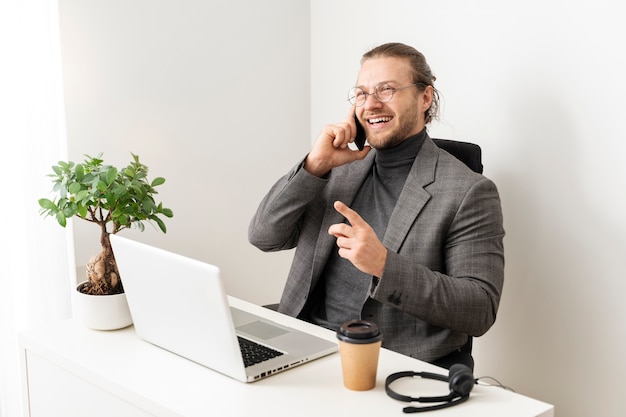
pixel 80 172
pixel 74 188
pixel 118 190
pixel 89 178
pixel 111 175
pixel 148 205
pixel 60 188
pixel 157 181
pixel 81 195
pixel 159 222
pixel 61 219
pixel 47 204
pixel 82 211
pixel 69 211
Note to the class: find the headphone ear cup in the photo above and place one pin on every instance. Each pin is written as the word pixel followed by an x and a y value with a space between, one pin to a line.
pixel 461 379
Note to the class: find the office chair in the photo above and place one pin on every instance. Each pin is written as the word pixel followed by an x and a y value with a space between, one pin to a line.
pixel 471 155
pixel 468 153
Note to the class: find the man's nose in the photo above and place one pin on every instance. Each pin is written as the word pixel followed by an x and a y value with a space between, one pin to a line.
pixel 371 102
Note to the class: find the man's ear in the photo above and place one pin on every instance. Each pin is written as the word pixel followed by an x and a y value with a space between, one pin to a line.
pixel 427 97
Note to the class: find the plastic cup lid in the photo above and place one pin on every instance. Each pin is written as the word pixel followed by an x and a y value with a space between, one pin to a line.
pixel 359 331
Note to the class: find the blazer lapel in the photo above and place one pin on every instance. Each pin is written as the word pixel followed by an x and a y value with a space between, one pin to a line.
pixel 413 196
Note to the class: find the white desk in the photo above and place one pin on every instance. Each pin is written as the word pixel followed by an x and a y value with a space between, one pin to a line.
pixel 73 371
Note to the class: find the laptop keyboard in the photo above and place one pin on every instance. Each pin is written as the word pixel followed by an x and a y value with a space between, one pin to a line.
pixel 254 353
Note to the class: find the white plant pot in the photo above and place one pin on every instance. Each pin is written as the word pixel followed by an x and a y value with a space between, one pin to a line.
pixel 102 312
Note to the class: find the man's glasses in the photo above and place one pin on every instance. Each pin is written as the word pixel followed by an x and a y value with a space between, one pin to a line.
pixel 382 93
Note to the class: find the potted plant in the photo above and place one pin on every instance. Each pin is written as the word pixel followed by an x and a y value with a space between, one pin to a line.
pixel 112 199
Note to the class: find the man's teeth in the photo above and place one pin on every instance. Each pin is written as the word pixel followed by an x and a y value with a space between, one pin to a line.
pixel 379 120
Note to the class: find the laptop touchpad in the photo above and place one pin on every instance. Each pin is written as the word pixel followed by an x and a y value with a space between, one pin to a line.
pixel 262 330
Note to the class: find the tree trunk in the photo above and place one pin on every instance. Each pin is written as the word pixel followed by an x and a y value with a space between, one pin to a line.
pixel 102 273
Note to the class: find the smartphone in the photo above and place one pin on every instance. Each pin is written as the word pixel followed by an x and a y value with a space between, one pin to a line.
pixel 359 140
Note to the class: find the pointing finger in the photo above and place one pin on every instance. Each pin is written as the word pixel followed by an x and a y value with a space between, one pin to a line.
pixel 351 215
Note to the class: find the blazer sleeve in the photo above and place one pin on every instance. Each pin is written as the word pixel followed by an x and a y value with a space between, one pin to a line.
pixel 459 287
pixel 277 222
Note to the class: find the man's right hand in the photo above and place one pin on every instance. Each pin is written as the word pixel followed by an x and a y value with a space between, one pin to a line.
pixel 331 147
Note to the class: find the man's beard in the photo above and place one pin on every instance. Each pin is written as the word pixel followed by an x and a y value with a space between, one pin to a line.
pixel 393 138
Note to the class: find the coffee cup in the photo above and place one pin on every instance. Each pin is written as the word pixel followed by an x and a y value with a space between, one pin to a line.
pixel 359 348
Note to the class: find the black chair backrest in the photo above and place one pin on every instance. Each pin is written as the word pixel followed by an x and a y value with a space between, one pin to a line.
pixel 468 153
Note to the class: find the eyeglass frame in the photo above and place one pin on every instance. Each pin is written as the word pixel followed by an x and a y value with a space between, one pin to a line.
pixel 352 97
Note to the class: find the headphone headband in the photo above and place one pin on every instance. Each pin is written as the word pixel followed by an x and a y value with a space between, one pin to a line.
pixel 460 380
pixel 408 399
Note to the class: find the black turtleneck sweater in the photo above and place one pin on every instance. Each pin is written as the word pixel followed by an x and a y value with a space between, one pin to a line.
pixel 343 289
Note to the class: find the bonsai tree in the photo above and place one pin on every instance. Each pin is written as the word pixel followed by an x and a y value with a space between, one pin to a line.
pixel 112 199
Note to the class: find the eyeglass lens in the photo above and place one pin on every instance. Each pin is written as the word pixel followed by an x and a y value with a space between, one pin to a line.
pixel 382 93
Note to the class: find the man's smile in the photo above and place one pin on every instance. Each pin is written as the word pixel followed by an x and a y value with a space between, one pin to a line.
pixel 376 120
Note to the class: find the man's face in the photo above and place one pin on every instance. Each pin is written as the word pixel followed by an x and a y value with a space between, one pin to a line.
pixel 388 124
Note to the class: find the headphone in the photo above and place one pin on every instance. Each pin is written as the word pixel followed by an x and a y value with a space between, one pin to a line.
pixel 460 380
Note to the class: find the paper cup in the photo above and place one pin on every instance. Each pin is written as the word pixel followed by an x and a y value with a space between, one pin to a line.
pixel 359 348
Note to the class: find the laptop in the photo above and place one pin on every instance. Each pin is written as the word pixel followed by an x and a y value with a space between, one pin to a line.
pixel 179 304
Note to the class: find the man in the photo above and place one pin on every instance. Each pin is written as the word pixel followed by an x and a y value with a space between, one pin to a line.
pixel 400 233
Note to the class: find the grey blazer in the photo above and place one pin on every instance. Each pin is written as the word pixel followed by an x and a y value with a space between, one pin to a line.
pixel 445 267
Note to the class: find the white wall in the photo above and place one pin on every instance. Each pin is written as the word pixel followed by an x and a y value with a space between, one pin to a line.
pixel 215 97
pixel 540 86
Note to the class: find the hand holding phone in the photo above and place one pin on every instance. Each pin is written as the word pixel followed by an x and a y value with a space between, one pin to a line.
pixel 331 148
